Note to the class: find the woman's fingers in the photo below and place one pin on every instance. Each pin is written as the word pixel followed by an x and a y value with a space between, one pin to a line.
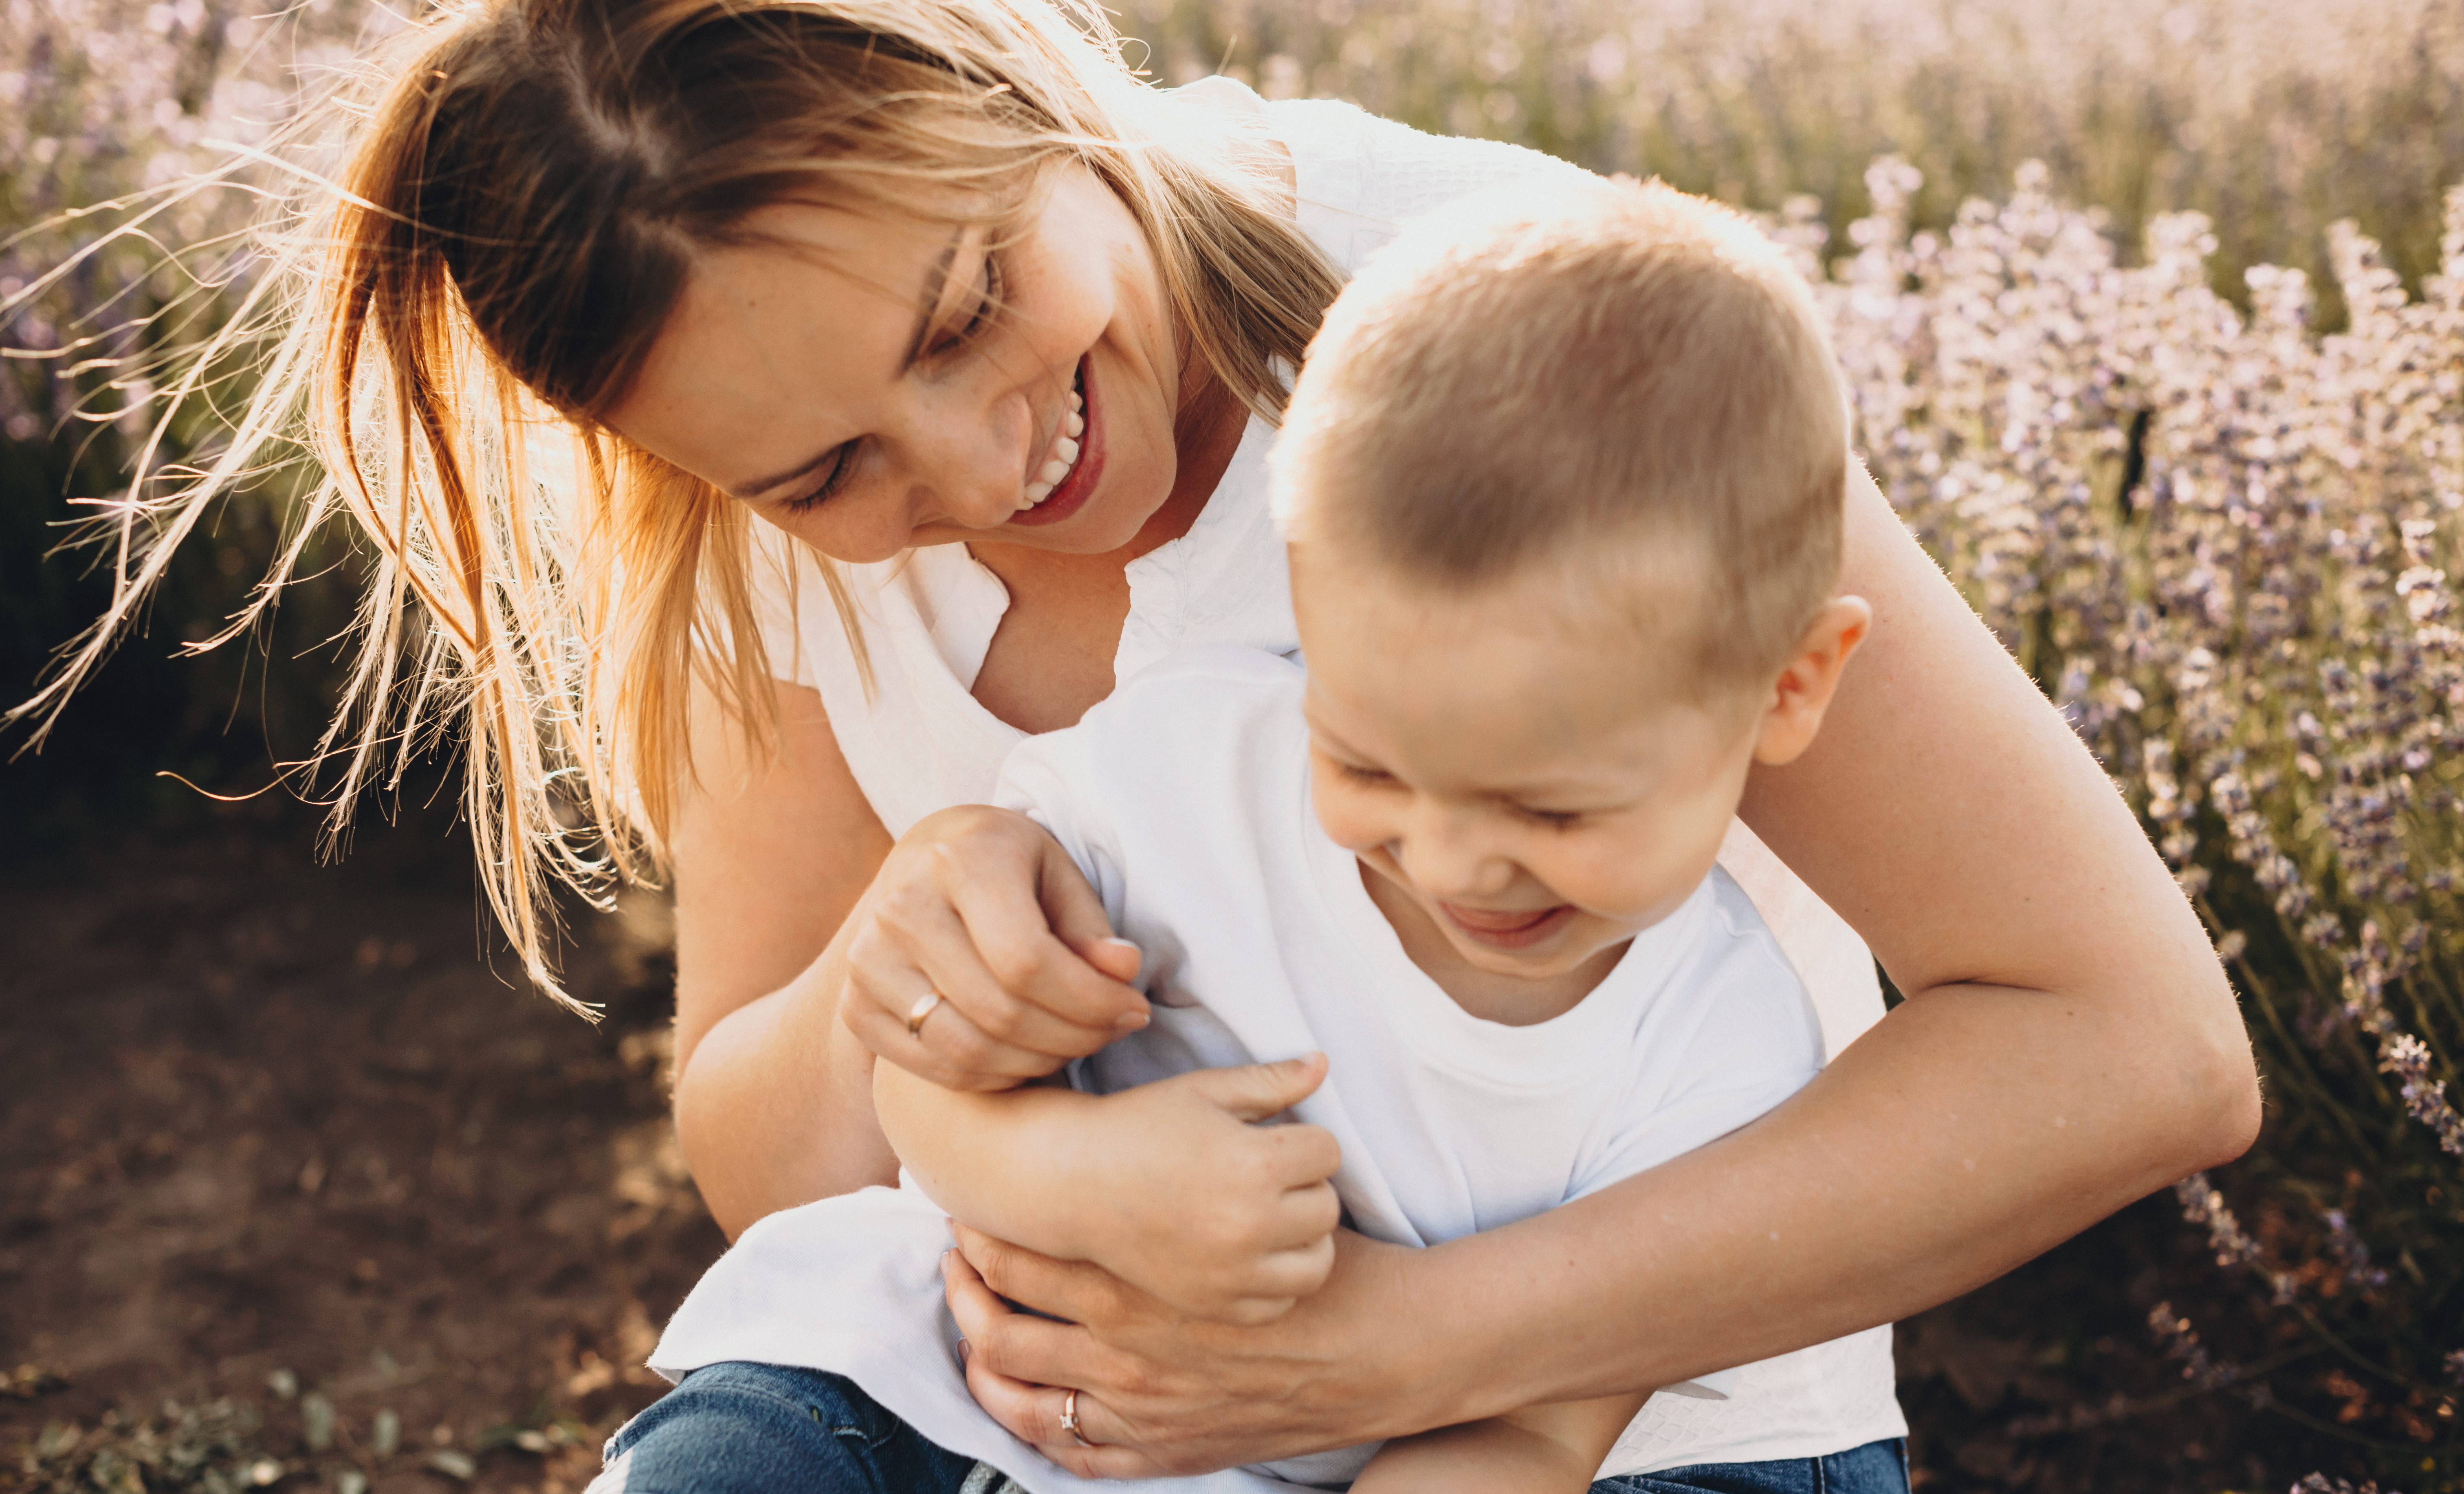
pixel 1033 1413
pixel 931 936
pixel 1026 916
pixel 1072 1290
pixel 1076 916
pixel 1189 1393
pixel 946 1049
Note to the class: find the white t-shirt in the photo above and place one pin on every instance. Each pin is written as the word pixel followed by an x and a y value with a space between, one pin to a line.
pixel 920 742
pixel 1185 799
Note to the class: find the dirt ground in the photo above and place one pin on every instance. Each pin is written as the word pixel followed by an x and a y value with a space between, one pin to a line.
pixel 272 1127
pixel 296 1190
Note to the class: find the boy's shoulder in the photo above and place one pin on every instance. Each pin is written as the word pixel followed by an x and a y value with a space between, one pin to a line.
pixel 1199 690
pixel 1742 971
pixel 1205 733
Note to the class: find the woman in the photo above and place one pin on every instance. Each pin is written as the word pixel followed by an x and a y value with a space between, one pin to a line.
pixel 940 291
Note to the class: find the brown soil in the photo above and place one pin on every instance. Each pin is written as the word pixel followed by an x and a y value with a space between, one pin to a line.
pixel 276 1127
pixel 277 1141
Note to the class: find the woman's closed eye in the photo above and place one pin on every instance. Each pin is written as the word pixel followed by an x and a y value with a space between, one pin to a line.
pixel 842 462
pixel 987 304
pixel 834 475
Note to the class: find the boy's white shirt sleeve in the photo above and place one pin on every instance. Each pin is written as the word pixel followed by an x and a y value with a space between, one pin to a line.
pixel 1051 780
pixel 1758 1042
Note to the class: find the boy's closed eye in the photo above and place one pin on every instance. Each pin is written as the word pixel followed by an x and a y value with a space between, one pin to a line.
pixel 1548 818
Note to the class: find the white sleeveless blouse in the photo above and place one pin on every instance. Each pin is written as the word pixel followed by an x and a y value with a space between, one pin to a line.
pixel 921 741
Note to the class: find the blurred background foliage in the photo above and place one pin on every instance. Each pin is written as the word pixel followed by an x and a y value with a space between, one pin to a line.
pixel 102 105
pixel 2155 319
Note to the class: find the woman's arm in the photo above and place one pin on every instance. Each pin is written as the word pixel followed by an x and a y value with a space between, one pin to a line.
pixel 777 974
pixel 2069 1043
pixel 774 1095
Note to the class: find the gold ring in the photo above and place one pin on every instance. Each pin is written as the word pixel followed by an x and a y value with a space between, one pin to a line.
pixel 1069 1420
pixel 924 1007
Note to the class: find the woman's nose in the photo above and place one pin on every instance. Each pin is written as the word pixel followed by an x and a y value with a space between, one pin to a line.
pixel 972 461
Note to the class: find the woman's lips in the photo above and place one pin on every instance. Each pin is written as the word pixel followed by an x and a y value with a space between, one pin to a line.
pixel 1074 489
pixel 1507 931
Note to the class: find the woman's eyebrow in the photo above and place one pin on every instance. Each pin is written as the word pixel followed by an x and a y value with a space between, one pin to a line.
pixel 936 277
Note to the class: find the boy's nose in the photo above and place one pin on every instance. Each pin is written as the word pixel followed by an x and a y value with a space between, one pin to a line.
pixel 1445 860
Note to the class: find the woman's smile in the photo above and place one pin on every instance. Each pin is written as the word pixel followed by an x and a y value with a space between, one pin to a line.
pixel 1075 461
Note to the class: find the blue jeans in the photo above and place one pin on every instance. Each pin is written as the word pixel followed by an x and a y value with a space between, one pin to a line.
pixel 764 1429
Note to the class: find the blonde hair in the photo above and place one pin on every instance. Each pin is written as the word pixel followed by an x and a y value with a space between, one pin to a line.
pixel 527 185
pixel 1553 374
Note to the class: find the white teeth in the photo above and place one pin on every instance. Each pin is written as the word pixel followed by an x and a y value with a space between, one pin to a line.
pixel 1064 455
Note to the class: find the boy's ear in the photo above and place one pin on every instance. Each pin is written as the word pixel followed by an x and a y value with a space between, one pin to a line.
pixel 1803 691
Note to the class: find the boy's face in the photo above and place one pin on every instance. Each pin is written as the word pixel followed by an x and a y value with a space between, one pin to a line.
pixel 1539 789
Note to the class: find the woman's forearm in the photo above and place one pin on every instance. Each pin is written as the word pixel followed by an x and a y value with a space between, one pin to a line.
pixel 773 1104
pixel 1973 1128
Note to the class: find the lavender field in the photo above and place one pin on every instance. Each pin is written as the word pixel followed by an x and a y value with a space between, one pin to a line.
pixel 2154 318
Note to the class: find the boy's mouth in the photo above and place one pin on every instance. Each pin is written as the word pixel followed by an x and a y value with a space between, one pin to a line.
pixel 1073 462
pixel 1509 929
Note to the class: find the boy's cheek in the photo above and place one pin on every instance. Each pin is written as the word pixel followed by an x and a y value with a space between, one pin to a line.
pixel 1347 815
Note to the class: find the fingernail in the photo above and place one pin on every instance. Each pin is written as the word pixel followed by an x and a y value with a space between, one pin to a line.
pixel 1131 1022
pixel 964 1349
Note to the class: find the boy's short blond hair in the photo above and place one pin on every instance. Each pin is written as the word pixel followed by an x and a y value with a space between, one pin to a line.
pixel 1607 372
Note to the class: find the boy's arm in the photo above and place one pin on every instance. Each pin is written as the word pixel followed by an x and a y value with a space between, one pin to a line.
pixel 1172 1186
pixel 1552 1449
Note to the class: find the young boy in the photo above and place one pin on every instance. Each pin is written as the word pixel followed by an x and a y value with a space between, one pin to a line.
pixel 1563 484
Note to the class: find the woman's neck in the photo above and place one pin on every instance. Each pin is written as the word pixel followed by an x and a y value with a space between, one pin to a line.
pixel 1052 657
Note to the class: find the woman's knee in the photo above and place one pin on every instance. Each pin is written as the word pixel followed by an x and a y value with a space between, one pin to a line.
pixel 767 1428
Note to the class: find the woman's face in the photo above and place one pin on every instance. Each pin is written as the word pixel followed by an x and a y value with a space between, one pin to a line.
pixel 871 383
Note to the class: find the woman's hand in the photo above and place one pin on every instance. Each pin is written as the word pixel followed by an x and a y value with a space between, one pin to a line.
pixel 1163 1393
pixel 984 908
